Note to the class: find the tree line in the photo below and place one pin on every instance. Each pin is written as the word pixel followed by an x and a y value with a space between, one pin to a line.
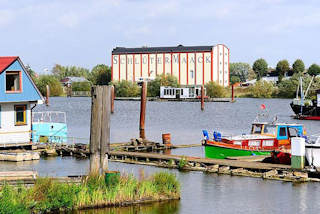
pixel 241 72
pixel 98 75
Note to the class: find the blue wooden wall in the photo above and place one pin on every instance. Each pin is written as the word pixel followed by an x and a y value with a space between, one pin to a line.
pixel 29 92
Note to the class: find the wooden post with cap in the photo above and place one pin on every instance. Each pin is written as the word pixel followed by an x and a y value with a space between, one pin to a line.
pixel 143 109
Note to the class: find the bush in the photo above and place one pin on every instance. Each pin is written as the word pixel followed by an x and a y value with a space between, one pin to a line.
pixel 166 183
pixel 161 80
pixel 215 90
pixel 52 81
pixel 126 89
pixel 81 86
pixel 262 89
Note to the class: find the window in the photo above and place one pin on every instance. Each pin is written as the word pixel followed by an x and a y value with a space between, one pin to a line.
pixel 13 81
pixel 282 132
pixel 20 115
pixel 270 129
pixel 181 91
pixel 293 132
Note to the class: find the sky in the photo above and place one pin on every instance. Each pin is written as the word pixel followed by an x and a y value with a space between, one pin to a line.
pixel 84 32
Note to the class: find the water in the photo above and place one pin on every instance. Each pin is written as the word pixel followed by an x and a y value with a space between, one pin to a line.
pixel 201 192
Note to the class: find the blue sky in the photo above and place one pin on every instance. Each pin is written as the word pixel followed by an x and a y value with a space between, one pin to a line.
pixel 83 33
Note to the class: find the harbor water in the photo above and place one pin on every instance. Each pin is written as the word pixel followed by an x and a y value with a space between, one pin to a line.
pixel 201 192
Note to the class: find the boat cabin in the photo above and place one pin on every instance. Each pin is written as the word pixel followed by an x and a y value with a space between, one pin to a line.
pixel 168 92
pixel 263 137
pixel 18 96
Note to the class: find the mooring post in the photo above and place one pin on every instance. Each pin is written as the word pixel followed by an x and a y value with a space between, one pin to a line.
pixel 232 92
pixel 105 128
pixel 47 95
pixel 95 129
pixel 202 98
pixel 143 109
pixel 112 99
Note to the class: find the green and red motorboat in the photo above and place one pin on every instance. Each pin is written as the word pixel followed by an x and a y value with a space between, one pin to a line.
pixel 264 139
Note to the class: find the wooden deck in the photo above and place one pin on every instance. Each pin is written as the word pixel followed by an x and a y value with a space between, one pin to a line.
pixel 197 160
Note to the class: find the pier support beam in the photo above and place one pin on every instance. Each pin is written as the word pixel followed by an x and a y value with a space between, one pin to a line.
pixel 143 109
pixel 100 128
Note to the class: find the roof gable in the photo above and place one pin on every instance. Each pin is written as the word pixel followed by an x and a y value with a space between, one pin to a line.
pixel 29 90
pixel 6 61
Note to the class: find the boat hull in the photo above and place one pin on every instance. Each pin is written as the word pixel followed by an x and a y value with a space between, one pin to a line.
pixel 313 155
pixel 218 152
pixel 307 111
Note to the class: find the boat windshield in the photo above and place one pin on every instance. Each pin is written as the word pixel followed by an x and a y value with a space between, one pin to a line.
pixel 257 128
pixel 270 129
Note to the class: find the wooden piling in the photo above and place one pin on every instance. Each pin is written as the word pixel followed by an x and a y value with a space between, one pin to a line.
pixel 143 109
pixel 95 129
pixel 47 95
pixel 105 128
pixel 100 128
pixel 202 98
pixel 112 99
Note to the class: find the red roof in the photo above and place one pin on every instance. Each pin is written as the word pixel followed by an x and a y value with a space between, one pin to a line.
pixel 6 61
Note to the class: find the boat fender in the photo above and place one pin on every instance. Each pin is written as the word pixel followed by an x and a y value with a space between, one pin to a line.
pixel 205 134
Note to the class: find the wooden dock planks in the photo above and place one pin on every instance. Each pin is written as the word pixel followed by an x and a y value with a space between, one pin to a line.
pixel 222 162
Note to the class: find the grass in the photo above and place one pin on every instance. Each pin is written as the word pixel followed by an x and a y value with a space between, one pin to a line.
pixel 48 195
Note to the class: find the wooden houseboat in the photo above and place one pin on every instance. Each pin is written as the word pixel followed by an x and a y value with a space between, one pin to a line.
pixel 18 96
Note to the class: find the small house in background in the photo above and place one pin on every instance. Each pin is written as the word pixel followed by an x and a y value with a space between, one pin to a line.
pixel 167 92
pixel 69 80
pixel 18 96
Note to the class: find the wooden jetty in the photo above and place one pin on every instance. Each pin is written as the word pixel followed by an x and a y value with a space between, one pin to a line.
pixel 30 177
pixel 19 156
pixel 220 166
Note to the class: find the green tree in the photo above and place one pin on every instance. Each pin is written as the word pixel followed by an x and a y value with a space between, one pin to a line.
pixel 100 75
pixel 161 80
pixel 234 79
pixel 52 81
pixel 240 69
pixel 288 88
pixel 262 89
pixel 126 89
pixel 260 67
pixel 31 72
pixel 298 67
pixel 282 68
pixel 69 71
pixel 215 90
pixel 314 70
pixel 81 86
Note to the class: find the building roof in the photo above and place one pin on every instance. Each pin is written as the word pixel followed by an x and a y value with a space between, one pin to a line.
pixel 6 61
pixel 174 49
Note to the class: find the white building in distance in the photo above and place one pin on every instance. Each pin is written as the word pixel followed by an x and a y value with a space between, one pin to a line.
pixel 192 65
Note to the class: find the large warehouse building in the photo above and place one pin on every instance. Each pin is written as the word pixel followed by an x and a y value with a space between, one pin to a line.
pixel 192 65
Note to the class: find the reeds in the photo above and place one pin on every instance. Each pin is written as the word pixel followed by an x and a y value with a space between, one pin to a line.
pixel 48 195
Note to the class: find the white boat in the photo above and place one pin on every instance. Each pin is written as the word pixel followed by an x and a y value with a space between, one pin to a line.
pixel 313 151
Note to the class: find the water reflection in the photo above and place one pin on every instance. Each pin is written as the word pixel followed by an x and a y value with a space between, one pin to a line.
pixel 154 208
